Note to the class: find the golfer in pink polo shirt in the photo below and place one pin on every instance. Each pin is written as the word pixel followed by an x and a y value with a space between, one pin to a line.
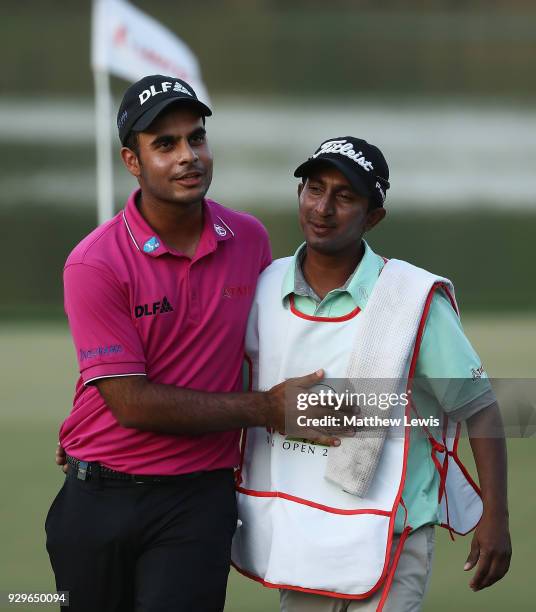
pixel 157 301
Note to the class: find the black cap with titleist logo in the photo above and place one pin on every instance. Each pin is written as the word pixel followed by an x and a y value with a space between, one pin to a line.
pixel 361 163
pixel 147 98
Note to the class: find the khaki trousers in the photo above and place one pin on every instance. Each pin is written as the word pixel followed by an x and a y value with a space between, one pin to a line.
pixel 407 590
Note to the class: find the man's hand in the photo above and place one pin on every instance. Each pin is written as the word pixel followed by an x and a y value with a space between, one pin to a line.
pixel 491 551
pixel 491 547
pixel 61 458
pixel 283 406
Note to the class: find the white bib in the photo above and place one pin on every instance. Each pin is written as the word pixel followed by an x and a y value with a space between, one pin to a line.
pixel 297 529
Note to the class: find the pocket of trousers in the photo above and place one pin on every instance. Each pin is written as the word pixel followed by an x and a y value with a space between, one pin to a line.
pixel 430 546
pixel 54 504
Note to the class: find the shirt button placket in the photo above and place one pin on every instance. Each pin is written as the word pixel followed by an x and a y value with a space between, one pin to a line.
pixel 194 310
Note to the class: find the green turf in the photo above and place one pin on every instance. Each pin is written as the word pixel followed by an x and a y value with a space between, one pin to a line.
pixel 38 375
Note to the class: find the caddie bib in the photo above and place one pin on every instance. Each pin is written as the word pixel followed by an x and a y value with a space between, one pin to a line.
pixel 297 529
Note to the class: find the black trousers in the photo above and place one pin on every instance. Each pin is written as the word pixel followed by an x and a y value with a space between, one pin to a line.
pixel 122 547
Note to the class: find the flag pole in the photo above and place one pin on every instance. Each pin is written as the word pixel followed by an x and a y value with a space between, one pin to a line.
pixel 103 119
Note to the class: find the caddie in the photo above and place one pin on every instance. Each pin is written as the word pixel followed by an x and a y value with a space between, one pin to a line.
pixel 157 301
pixel 352 528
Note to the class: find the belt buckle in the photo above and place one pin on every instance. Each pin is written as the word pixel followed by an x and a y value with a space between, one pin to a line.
pixel 82 470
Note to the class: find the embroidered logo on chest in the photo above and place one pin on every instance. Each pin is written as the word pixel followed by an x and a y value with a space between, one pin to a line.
pixel 237 291
pixel 151 245
pixel 221 231
pixel 154 308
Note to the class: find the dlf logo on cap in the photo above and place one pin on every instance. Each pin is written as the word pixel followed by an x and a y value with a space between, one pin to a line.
pixel 166 86
pixel 145 100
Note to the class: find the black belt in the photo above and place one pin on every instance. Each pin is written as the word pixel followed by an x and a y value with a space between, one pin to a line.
pixel 85 470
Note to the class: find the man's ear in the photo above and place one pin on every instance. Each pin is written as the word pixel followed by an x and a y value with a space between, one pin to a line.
pixel 131 161
pixel 374 216
pixel 301 185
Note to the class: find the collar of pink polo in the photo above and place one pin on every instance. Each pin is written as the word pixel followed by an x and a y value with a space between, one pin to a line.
pixel 147 241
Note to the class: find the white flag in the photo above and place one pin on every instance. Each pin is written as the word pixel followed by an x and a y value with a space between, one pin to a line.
pixel 128 43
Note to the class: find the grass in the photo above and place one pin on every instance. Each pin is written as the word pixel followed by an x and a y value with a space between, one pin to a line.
pixel 38 380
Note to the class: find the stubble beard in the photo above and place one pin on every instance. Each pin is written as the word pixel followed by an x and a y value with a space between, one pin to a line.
pixel 168 195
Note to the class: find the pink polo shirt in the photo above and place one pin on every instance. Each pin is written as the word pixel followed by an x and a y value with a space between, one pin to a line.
pixel 136 307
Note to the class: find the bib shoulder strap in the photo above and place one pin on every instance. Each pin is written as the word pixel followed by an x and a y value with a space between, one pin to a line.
pixel 390 320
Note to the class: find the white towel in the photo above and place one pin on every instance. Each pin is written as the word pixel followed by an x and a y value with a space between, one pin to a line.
pixel 382 351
